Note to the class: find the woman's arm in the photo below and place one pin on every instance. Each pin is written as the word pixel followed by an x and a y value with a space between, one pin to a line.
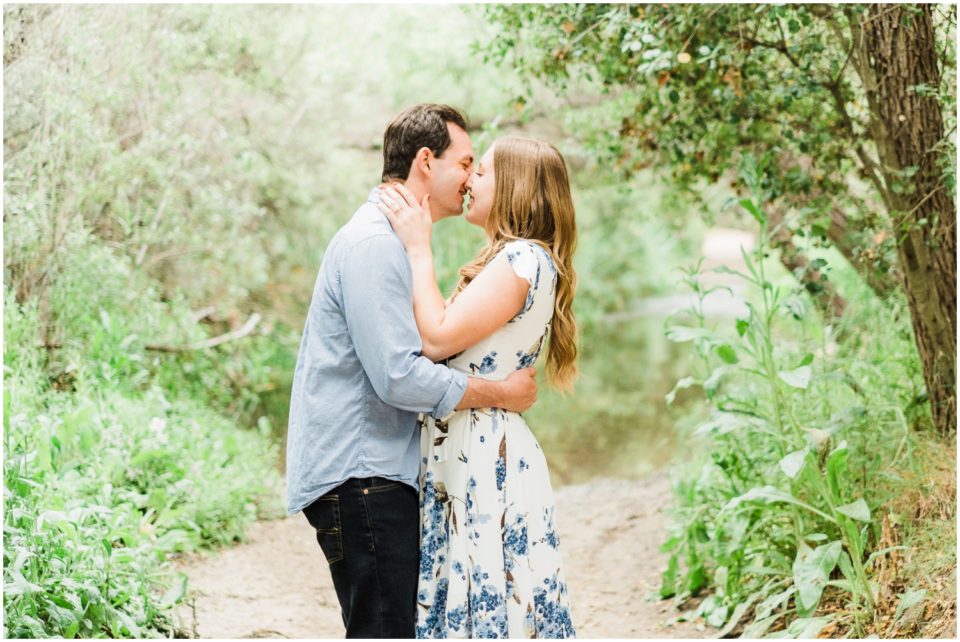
pixel 494 297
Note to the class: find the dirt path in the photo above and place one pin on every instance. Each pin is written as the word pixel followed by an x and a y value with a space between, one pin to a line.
pixel 277 585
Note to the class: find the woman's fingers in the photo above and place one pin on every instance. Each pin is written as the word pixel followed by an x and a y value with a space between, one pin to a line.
pixel 388 212
pixel 400 201
pixel 390 197
pixel 397 201
pixel 406 194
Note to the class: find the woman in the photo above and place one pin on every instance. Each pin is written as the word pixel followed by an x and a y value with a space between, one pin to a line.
pixel 489 554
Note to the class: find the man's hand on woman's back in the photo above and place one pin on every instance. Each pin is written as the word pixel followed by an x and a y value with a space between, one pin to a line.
pixel 521 390
pixel 515 393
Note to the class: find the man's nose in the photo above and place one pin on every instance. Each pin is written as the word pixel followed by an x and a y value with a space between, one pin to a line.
pixel 469 182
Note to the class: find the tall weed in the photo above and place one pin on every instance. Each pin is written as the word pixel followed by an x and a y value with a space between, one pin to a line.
pixel 784 511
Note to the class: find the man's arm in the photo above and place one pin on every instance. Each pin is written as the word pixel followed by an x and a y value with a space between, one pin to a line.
pixel 516 393
pixel 378 307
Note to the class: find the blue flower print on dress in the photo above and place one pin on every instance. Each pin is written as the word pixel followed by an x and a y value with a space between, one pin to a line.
pixel 529 357
pixel 433 624
pixel 488 365
pixel 552 615
pixel 550 538
pixel 515 537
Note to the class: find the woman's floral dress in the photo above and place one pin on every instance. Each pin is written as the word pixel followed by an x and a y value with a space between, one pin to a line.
pixel 489 552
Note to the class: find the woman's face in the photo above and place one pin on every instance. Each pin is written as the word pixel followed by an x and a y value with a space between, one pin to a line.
pixel 481 191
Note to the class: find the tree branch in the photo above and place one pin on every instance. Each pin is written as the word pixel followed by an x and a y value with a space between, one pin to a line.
pixel 213 341
pixel 868 163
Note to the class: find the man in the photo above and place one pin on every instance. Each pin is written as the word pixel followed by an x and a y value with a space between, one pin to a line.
pixel 353 444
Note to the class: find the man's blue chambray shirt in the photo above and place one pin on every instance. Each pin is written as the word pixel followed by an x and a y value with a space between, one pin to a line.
pixel 360 379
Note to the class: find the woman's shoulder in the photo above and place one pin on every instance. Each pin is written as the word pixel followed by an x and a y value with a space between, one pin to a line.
pixel 532 262
pixel 527 257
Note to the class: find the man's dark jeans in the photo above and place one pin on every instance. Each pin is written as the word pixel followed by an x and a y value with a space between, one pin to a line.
pixel 369 530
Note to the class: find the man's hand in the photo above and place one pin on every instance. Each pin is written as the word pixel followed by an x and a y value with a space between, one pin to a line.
pixel 516 393
pixel 520 390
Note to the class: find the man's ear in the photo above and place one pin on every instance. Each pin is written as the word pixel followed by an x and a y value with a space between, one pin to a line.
pixel 423 159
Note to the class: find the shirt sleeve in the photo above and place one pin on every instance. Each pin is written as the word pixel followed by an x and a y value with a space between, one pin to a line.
pixel 377 289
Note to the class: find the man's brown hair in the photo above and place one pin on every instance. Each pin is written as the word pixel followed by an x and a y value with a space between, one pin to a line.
pixel 423 125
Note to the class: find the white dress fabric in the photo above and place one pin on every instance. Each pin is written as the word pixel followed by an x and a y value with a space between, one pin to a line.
pixel 490 562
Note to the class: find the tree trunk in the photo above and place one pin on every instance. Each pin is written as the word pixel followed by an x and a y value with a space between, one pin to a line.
pixel 898 52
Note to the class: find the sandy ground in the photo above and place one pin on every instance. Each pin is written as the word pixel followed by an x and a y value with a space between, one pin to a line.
pixel 276 585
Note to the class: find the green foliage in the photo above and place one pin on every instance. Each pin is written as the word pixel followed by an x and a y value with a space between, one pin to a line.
pixel 169 171
pixel 117 455
pixel 690 89
pixel 101 485
pixel 784 507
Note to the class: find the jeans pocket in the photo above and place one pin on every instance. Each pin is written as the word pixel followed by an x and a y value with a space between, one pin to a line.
pixel 380 485
pixel 324 516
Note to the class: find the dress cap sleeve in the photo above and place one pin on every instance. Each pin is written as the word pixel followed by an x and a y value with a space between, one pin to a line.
pixel 524 259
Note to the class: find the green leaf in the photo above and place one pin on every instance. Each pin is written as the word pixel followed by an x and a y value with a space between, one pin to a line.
pixel 796 306
pixel 738 614
pixel 20 585
pixel 754 211
pixel 836 467
pixel 807 359
pixel 798 378
pixel 727 353
pixel 884 551
pixel 70 631
pixel 713 381
pixel 742 326
pixel 718 616
pixel 811 570
pixel 771 495
pixel 683 384
pixel 759 627
pixel 857 510
pixel 696 578
pixel 668 581
pixel 175 592
pixel 792 464
pixel 908 599
pixel 802 628
pixel 771 603
pixel 127 624
pixel 723 269
pixel 724 422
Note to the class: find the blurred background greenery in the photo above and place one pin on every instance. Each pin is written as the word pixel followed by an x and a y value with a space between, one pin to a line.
pixel 173 173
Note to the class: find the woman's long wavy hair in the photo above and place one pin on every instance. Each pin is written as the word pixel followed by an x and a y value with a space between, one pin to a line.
pixel 532 201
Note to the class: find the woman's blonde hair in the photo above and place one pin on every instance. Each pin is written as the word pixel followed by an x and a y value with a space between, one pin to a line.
pixel 532 201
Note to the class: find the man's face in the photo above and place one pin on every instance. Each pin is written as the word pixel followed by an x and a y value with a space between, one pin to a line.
pixel 449 175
